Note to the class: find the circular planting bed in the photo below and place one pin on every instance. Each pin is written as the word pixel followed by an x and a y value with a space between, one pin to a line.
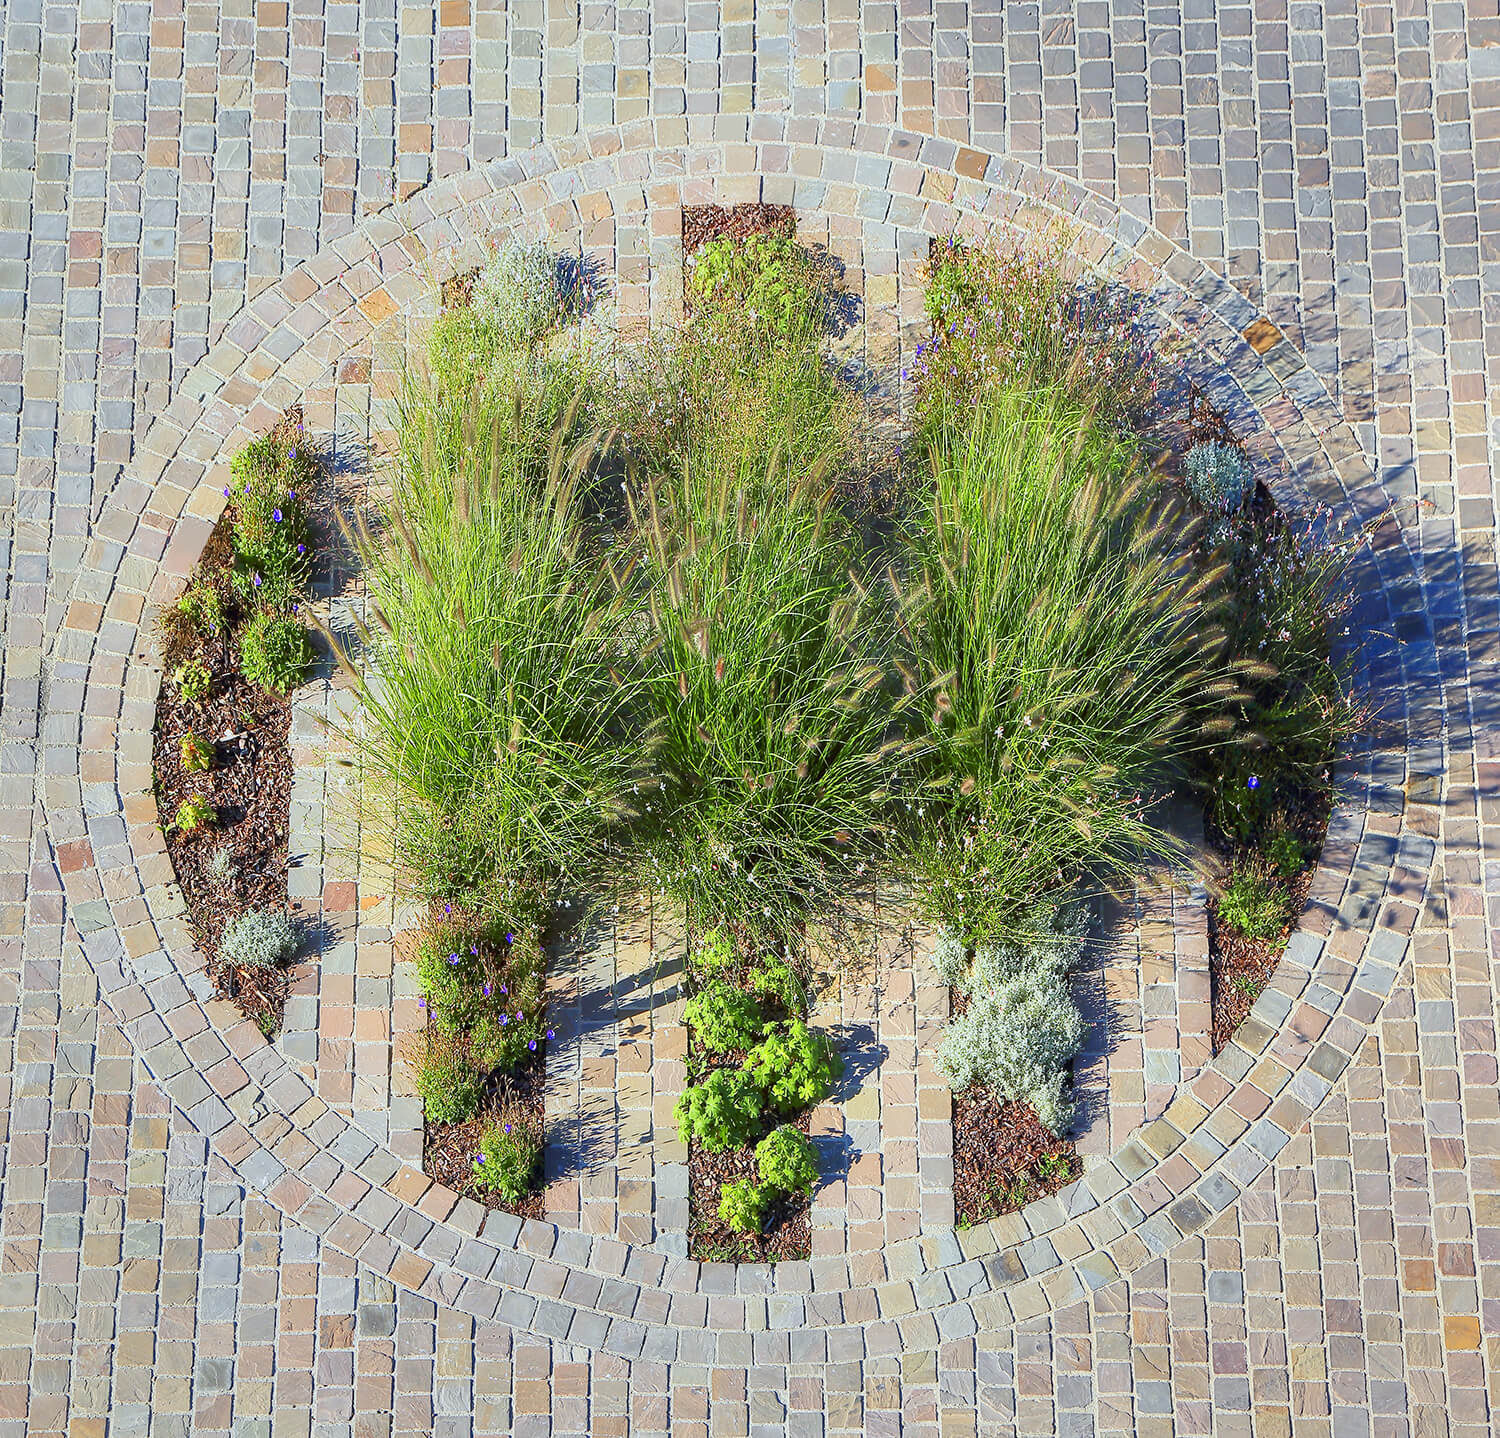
pixel 282 1116
pixel 700 615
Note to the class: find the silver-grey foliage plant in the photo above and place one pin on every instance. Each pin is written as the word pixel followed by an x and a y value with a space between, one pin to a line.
pixel 258 939
pixel 520 292
pixel 1217 475
pixel 1021 1027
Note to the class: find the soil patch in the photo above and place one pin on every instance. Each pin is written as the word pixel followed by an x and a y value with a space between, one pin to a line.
pixel 702 223
pixel 1003 1157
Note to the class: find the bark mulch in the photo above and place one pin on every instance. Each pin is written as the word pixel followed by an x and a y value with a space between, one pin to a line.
pixel 249 787
pixel 1003 1157
pixel 702 223
pixel 448 1149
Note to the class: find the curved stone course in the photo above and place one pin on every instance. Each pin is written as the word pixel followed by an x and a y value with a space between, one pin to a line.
pixel 619 191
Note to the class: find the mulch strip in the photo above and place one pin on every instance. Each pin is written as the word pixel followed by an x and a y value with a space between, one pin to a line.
pixel 998 1150
pixel 702 223
pixel 448 1149
pixel 249 787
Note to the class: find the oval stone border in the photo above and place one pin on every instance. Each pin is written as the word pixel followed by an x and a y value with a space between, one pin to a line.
pixel 1166 1182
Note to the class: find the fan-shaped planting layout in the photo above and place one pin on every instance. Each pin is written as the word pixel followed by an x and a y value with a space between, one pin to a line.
pixel 679 616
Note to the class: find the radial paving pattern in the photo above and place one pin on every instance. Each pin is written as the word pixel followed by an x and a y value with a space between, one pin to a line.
pixel 207 213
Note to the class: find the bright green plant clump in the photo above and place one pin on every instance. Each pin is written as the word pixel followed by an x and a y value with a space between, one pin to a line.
pixel 712 954
pixel 1059 644
pixel 446 1079
pixel 271 482
pixel 274 652
pixel 195 813
pixel 197 753
pixel 767 280
pixel 258 939
pixel 743 1205
pixel 192 681
pixel 796 1065
pixel 510 1148
pixel 1285 853
pixel 196 614
pixel 1218 476
pixel 723 1018
pixel 722 1112
pixel 1016 1036
pixel 1254 905
pixel 785 1160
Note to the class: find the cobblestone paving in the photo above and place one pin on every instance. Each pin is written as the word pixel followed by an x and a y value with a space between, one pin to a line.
pixel 195 227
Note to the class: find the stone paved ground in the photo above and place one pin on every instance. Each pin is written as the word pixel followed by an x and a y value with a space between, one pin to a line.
pixel 194 1239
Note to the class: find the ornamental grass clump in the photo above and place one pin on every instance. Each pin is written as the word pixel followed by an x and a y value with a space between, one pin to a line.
pixel 773 716
pixel 1059 644
pixel 763 664
pixel 496 719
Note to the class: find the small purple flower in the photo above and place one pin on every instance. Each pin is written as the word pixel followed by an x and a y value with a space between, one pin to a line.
pixel 532 1045
pixel 276 516
pixel 478 1158
pixel 504 1018
pixel 503 989
pixel 291 494
pixel 486 991
pixel 507 1128
pixel 509 938
pixel 550 1034
pixel 452 958
pixel 447 908
pixel 257 581
pixel 474 949
pixel 1253 782
pixel 292 453
pixel 519 1016
pixel 421 1003
pixel 301 549
pixel 226 491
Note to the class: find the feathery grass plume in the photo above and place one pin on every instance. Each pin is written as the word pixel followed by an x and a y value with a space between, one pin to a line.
pixel 759 676
pixel 497 740
pixel 1064 640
